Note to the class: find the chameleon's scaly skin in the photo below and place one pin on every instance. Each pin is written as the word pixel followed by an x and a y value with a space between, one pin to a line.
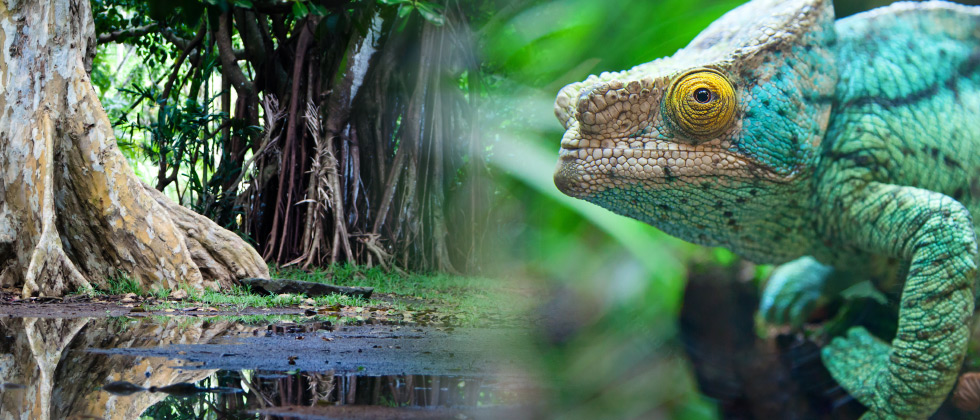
pixel 855 142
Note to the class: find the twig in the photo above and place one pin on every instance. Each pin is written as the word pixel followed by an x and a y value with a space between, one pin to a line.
pixel 127 33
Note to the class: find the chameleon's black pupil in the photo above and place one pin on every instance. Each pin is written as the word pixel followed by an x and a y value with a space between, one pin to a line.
pixel 702 95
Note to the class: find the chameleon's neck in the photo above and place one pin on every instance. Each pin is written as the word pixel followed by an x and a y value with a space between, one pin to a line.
pixel 782 220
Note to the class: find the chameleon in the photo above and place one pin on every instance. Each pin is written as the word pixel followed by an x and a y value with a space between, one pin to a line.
pixel 845 150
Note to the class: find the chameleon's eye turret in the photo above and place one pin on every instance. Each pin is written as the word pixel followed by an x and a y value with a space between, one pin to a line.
pixel 701 103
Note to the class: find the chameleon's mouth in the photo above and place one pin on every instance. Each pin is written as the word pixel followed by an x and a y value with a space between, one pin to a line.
pixel 589 166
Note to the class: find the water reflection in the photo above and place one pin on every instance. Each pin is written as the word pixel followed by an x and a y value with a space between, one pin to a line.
pixel 120 368
pixel 61 379
pixel 325 394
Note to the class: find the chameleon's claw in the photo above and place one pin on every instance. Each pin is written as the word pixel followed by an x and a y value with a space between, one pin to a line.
pixel 793 291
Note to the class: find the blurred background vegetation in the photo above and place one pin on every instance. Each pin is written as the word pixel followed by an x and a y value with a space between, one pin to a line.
pixel 420 136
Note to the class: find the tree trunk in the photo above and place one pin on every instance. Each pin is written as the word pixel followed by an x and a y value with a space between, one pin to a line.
pixel 73 213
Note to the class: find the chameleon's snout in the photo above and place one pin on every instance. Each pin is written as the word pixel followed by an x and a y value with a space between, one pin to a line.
pixel 566 179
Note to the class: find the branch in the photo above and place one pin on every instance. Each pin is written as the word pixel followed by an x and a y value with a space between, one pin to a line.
pixel 229 64
pixel 180 60
pixel 169 35
pixel 127 33
pixel 181 43
pixel 248 29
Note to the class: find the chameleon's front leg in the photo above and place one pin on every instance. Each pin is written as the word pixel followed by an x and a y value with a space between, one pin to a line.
pixel 910 378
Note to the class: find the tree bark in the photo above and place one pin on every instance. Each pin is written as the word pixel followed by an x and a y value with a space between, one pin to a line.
pixel 73 213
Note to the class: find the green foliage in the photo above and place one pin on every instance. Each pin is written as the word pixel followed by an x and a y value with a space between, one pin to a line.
pixel 179 134
pixel 430 11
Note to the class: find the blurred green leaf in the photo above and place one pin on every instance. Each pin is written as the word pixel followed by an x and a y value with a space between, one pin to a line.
pixel 319 10
pixel 300 10
pixel 431 12
pixel 404 10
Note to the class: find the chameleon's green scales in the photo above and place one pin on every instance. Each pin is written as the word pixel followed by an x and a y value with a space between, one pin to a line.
pixel 786 136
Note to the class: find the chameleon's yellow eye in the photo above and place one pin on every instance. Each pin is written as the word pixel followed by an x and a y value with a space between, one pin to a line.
pixel 701 103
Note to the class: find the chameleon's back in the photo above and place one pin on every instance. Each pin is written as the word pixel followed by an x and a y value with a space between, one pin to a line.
pixel 908 98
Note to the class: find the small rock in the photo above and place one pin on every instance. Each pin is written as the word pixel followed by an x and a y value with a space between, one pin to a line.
pixel 127 300
pixel 129 296
pixel 309 301
pixel 178 294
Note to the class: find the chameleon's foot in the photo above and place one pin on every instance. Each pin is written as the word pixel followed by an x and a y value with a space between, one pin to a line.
pixel 873 374
pixel 856 361
pixel 793 291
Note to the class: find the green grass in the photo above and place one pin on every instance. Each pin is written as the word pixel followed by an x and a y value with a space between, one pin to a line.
pixel 440 298
pixel 119 284
pixel 468 299
pixel 252 319
pixel 242 297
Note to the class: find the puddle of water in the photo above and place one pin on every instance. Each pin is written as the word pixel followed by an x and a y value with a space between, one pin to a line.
pixel 328 394
pixel 121 368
